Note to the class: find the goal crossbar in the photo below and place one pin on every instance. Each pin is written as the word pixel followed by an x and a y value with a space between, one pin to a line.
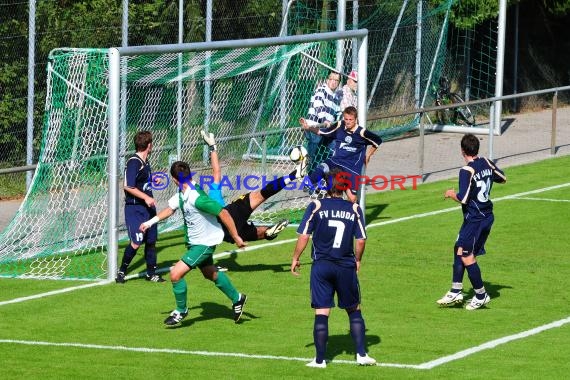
pixel 115 97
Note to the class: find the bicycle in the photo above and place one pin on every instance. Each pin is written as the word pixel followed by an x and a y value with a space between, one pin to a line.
pixel 457 115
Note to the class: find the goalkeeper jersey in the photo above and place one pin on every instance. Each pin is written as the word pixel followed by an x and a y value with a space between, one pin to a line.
pixel 199 211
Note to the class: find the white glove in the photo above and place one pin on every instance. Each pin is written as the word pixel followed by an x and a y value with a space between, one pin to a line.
pixel 209 139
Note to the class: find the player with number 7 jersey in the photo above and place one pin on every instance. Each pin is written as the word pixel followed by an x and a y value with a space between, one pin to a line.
pixel 339 239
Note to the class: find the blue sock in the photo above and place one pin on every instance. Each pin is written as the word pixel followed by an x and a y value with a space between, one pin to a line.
pixel 474 273
pixel 458 271
pixel 316 175
pixel 128 256
pixel 150 257
pixel 321 336
pixel 357 331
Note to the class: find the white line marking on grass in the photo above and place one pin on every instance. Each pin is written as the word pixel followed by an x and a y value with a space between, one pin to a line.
pixel 53 292
pixel 182 352
pixel 543 199
pixel 423 215
pixel 424 366
pixel 493 344
pixel 260 246
pixel 427 365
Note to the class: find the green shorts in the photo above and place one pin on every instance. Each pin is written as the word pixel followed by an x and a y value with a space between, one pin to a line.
pixel 199 256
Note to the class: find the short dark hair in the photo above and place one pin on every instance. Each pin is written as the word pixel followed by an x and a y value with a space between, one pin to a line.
pixel 142 139
pixel 336 182
pixel 180 170
pixel 335 73
pixel 470 144
pixel 351 110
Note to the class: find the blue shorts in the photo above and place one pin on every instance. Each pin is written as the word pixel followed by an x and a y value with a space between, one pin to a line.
pixel 328 278
pixel 473 235
pixel 135 215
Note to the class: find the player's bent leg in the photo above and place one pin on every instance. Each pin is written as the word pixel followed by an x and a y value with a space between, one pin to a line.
pixel 179 270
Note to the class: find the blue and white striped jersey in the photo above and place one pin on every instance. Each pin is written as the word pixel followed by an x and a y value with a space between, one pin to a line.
pixel 325 106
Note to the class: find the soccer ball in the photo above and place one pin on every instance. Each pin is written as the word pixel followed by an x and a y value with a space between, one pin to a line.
pixel 297 153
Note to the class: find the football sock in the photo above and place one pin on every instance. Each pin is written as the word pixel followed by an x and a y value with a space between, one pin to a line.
pixel 316 175
pixel 474 273
pixel 480 293
pixel 128 256
pixel 357 331
pixel 275 186
pixel 180 290
pixel 321 336
pixel 458 269
pixel 225 285
pixel 456 287
pixel 150 257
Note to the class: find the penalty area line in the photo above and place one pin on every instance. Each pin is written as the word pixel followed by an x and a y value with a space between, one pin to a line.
pixel 261 246
pixel 53 292
pixel 148 350
pixel 493 343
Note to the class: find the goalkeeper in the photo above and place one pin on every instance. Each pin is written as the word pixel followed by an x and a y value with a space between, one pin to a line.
pixel 242 208
pixel 350 152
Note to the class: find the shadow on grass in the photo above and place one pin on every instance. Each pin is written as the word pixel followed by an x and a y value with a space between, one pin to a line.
pixel 373 211
pixel 233 266
pixel 494 290
pixel 343 344
pixel 209 311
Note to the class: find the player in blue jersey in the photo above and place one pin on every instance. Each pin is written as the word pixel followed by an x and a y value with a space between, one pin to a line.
pixel 350 152
pixel 475 182
pixel 139 206
pixel 334 223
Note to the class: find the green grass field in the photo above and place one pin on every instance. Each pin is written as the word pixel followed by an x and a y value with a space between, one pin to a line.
pixel 116 331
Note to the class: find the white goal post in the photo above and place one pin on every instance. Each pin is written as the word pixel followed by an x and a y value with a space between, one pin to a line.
pixel 117 93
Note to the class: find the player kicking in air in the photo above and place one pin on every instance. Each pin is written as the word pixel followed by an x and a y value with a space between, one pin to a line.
pixel 242 207
pixel 475 183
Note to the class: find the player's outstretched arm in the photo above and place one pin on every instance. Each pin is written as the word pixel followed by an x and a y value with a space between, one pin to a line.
pixel 210 140
pixel 163 214
pixel 228 221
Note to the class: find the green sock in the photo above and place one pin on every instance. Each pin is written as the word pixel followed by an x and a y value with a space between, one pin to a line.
pixel 225 285
pixel 180 291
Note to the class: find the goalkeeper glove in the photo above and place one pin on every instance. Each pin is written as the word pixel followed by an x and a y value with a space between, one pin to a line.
pixel 210 140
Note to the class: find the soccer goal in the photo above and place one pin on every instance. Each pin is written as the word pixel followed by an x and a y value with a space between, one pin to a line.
pixel 249 93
